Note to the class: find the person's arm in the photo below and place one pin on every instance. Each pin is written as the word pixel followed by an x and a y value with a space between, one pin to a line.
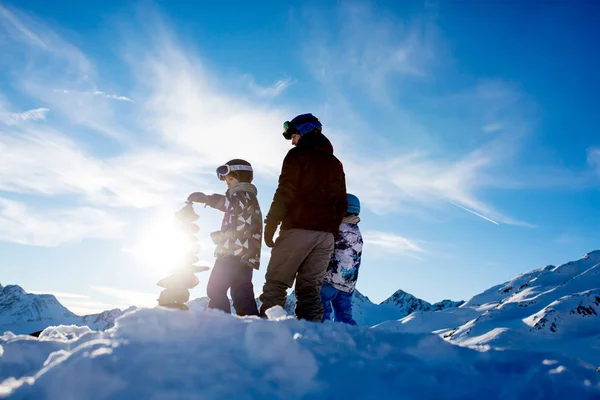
pixel 217 201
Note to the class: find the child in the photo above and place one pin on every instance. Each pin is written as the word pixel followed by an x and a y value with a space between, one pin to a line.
pixel 342 273
pixel 239 240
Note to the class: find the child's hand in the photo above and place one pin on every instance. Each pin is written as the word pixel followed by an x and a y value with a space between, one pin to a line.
pixel 198 197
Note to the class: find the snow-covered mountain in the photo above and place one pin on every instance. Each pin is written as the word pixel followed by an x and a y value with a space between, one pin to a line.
pixel 22 312
pixel 398 305
pixel 364 311
pixel 550 308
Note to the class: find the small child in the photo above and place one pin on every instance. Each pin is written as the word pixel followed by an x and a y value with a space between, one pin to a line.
pixel 238 242
pixel 342 272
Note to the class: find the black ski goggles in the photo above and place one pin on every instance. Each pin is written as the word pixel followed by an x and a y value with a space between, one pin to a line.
pixel 225 169
pixel 288 130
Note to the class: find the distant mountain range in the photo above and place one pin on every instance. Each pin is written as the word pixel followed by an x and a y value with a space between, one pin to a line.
pixel 22 312
pixel 550 308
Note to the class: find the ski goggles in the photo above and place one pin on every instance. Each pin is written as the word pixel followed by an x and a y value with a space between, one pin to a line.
pixel 288 130
pixel 300 127
pixel 225 169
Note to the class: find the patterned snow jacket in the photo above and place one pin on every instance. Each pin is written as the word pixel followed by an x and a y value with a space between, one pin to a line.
pixel 342 272
pixel 241 230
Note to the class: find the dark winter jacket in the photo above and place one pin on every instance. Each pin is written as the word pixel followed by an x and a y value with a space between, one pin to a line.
pixel 312 188
pixel 342 272
pixel 241 229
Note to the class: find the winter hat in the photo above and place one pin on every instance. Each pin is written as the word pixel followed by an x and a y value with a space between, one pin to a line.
pixel 353 204
pixel 241 174
pixel 301 124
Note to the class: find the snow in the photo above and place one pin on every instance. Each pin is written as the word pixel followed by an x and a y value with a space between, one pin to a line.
pixel 536 336
pixel 548 309
pixel 22 312
pixel 277 313
pixel 170 354
pixel 398 305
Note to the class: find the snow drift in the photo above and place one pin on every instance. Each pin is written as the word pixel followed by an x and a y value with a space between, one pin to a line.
pixel 205 354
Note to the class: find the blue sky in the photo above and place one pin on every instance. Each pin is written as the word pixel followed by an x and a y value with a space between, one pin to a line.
pixel 468 130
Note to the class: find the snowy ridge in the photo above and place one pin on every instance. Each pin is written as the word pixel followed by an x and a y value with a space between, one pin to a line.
pixel 398 305
pixel 364 311
pixel 551 308
pixel 573 315
pixel 22 312
pixel 280 359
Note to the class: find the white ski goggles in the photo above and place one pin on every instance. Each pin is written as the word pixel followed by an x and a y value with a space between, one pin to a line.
pixel 225 169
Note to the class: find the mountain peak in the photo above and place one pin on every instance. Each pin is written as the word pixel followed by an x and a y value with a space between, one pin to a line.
pixel 405 303
pixel 594 254
pixel 12 290
pixel 401 294
pixel 22 312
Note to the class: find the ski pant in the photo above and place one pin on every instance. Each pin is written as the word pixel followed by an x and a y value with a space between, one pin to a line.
pixel 231 272
pixel 302 255
pixel 341 302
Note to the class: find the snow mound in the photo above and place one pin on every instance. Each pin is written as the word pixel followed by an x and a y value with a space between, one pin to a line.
pixel 169 354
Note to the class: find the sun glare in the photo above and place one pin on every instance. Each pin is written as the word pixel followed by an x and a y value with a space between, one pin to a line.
pixel 163 245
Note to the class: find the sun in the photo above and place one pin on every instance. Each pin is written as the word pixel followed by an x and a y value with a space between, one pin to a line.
pixel 163 245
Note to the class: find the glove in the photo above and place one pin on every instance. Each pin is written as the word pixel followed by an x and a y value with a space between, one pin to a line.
pixel 269 233
pixel 198 197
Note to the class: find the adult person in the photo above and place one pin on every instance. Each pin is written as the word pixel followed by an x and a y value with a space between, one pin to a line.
pixel 309 203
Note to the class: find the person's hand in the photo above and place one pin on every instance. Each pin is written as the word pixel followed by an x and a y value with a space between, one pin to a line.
pixel 269 233
pixel 198 197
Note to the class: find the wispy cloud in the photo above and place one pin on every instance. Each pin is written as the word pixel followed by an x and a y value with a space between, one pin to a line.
pixel 26 30
pixel 185 119
pixel 376 48
pixel 169 150
pixel 493 127
pixel 411 163
pixel 63 295
pixel 96 93
pixel 130 297
pixel 53 62
pixel 48 228
pixel 268 91
pixel 82 307
pixel 419 181
pixel 78 303
pixel 392 242
pixel 81 304
pixel 11 118
pixel 475 213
